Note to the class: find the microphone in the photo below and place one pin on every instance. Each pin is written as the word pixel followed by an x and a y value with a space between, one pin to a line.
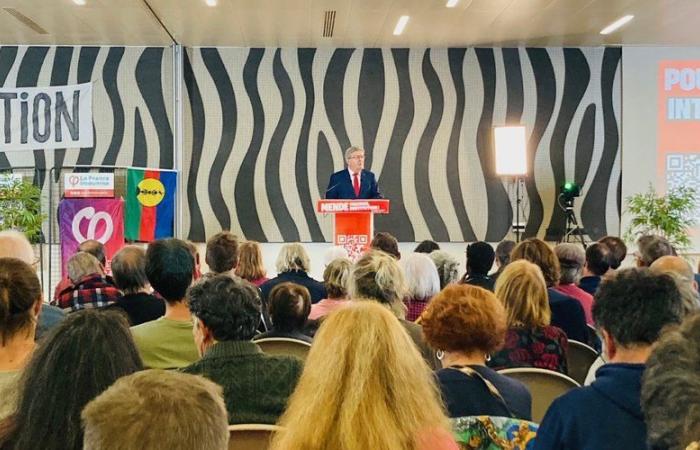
pixel 330 189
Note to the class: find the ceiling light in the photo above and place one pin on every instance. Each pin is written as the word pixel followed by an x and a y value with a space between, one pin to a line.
pixel 79 2
pixel 400 25
pixel 452 3
pixel 617 24
pixel 211 2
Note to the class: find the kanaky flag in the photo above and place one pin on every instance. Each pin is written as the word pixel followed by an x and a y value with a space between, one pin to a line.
pixel 150 204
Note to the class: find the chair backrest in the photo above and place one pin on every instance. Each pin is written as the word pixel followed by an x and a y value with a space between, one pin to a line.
pixel 544 385
pixel 284 346
pixel 251 436
pixel 580 357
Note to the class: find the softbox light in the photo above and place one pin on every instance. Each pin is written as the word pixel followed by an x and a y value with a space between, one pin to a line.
pixel 510 150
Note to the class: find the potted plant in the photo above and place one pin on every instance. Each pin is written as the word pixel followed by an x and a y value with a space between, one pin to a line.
pixel 20 208
pixel 669 215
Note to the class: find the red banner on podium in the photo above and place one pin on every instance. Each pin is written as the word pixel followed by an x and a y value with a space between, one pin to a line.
pixel 353 224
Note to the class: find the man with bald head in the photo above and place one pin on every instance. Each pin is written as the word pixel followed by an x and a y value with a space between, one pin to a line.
pixel 129 273
pixel 16 245
pixel 677 265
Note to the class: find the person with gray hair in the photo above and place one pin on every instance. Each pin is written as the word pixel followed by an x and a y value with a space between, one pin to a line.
pixel 422 280
pixel 292 266
pixel 503 250
pixel 651 247
pixel 96 249
pixel 572 258
pixel 355 182
pixel 175 411
pixel 447 266
pixel 90 288
pixel 129 272
pixel 682 273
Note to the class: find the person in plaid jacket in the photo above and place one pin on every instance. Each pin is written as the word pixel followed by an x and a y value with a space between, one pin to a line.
pixel 91 288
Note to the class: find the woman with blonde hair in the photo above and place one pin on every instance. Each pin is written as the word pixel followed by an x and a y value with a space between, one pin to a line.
pixel 250 263
pixel 364 386
pixel 293 265
pixel 530 341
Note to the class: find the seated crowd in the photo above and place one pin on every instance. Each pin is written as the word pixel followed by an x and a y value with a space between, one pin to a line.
pixel 402 349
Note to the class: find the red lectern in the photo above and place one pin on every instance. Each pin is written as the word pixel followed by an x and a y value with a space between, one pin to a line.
pixel 353 222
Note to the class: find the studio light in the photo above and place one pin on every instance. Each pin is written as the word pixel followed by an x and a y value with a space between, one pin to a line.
pixel 511 151
pixel 570 191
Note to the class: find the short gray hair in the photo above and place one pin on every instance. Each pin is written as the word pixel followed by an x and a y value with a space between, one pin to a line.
pixel 651 247
pixel 351 150
pixel 690 301
pixel 292 257
pixel 82 264
pixel 447 266
pixel 422 279
pixel 129 269
pixel 571 260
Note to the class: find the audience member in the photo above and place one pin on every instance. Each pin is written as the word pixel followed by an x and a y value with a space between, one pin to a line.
pixel 335 279
pixel 598 263
pixel 167 342
pixel 618 250
pixel 14 244
pixel 447 267
pixel 630 310
pixel 422 283
pixel 387 243
pixel 671 388
pixel 78 360
pixel 480 256
pixel 333 253
pixel 571 261
pixel 90 287
pixel 426 246
pixel 256 386
pixel 377 276
pixel 129 272
pixel 651 247
pixel 467 323
pixel 96 249
pixel 503 251
pixel 222 253
pixel 20 303
pixel 364 386
pixel 157 410
pixel 250 263
pixel 682 273
pixel 293 266
pixel 530 341
pixel 290 305
pixel 195 256
pixel 566 312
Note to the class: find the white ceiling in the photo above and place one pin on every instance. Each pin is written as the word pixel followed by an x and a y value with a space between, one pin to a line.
pixel 358 23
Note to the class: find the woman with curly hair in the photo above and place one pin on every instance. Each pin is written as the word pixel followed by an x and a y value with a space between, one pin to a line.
pixel 364 386
pixel 530 341
pixel 467 323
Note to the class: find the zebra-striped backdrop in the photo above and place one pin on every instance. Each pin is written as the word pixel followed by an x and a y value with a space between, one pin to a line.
pixel 266 127
pixel 132 102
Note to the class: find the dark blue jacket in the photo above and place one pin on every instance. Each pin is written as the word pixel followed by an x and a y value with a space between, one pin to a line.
pixel 316 288
pixel 567 314
pixel 589 284
pixel 340 186
pixel 605 415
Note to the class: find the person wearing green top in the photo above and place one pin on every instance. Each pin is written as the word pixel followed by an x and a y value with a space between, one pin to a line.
pixel 256 385
pixel 168 343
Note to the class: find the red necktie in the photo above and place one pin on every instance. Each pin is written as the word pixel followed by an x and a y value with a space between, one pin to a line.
pixel 356 184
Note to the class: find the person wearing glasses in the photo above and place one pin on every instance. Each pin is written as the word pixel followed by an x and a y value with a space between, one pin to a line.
pixel 354 182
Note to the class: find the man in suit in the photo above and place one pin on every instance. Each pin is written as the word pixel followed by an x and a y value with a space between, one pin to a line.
pixel 354 182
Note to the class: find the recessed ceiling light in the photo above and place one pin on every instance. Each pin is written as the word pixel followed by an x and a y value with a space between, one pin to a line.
pixel 617 24
pixel 211 2
pixel 400 25
pixel 452 3
pixel 79 2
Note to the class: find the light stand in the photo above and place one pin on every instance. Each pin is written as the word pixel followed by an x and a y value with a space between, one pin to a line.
pixel 510 150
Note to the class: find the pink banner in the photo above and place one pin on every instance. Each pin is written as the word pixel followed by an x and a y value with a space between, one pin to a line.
pixel 84 219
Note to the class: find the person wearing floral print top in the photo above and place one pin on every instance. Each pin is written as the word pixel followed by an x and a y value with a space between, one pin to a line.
pixel 530 341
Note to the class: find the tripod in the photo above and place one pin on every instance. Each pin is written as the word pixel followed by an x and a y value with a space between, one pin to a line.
pixel 572 226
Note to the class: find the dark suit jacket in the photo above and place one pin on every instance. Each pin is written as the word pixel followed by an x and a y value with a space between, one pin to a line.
pixel 340 186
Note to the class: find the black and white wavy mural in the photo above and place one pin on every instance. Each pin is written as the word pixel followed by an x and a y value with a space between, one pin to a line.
pixel 132 102
pixel 266 127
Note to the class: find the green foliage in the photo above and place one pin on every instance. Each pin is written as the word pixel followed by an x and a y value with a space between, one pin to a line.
pixel 20 209
pixel 668 215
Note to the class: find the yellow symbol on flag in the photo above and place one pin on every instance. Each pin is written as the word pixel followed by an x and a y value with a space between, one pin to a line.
pixel 150 192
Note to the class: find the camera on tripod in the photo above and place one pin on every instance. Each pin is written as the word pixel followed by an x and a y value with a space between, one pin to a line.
pixel 568 192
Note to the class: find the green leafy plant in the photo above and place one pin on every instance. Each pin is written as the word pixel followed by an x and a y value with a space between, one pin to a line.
pixel 20 208
pixel 669 215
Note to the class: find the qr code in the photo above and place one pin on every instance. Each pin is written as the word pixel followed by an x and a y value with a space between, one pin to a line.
pixel 683 169
pixel 355 244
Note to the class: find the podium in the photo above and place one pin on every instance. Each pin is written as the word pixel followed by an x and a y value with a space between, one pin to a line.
pixel 353 222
